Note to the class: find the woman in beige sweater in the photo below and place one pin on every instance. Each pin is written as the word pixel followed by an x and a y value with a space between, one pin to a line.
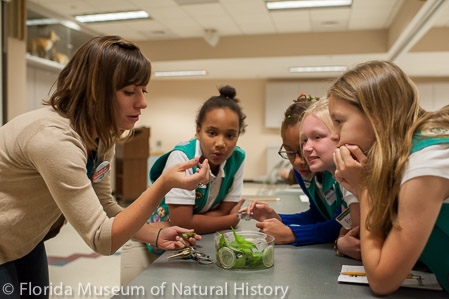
pixel 45 155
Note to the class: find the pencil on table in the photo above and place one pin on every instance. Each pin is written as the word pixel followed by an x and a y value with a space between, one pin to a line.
pixel 364 274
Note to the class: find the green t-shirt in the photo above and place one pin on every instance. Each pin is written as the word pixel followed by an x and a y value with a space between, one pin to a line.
pixel 436 253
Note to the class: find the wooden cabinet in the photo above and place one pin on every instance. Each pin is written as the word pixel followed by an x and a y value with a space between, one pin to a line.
pixel 131 171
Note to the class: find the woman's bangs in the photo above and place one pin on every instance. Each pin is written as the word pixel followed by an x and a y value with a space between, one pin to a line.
pixel 136 71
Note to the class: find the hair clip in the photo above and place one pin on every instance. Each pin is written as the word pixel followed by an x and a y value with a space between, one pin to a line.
pixel 289 116
pixel 303 96
pixel 307 97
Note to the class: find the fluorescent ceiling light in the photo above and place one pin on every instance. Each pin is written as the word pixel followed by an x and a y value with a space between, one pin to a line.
pixel 72 25
pixel 114 16
pixel 38 22
pixel 180 73
pixel 310 69
pixel 306 4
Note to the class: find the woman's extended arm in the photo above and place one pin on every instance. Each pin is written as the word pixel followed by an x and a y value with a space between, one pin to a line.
pixel 167 237
pixel 130 220
pixel 182 215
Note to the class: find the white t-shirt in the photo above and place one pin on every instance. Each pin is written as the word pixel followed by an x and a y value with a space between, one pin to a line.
pixel 186 197
pixel 348 197
pixel 430 161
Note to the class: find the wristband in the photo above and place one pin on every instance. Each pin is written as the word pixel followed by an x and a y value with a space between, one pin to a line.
pixel 157 237
pixel 337 252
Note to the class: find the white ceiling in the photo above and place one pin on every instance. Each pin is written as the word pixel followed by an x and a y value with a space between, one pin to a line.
pixel 404 24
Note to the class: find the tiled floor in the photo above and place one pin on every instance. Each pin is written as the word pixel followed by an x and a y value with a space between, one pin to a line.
pixel 77 272
pixel 76 269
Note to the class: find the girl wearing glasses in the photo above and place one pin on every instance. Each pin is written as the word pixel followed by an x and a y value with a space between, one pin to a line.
pixel 316 225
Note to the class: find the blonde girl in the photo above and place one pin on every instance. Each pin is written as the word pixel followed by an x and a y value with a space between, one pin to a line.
pixel 394 157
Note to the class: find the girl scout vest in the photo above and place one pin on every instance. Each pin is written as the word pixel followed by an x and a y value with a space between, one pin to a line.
pixel 233 163
pixel 435 254
pixel 332 197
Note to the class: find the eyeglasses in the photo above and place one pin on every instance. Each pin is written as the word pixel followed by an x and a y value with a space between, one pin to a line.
pixel 290 155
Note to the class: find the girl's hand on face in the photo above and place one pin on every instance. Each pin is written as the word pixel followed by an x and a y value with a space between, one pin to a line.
pixel 176 176
pixel 356 153
pixel 349 161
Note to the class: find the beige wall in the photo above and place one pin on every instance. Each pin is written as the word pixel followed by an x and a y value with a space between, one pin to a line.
pixel 172 109
pixel 16 74
pixel 173 105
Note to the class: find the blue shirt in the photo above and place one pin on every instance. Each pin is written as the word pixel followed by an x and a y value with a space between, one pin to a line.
pixel 311 227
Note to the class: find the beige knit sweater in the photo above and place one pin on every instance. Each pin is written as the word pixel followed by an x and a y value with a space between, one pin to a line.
pixel 43 176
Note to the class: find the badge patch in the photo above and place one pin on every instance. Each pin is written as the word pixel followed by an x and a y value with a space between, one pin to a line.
pixel 101 171
pixel 345 219
pixel 331 196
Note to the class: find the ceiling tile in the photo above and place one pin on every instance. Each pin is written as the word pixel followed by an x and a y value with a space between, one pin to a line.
pixel 240 17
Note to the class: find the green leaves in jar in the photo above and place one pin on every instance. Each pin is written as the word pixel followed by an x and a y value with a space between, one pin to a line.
pixel 242 254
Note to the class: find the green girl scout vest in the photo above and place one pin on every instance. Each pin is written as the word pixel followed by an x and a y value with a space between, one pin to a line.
pixel 436 253
pixel 233 163
pixel 333 197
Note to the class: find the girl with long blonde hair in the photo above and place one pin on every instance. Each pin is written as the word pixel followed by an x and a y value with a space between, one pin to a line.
pixel 394 157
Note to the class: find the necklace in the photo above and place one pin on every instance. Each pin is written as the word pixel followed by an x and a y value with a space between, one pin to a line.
pixel 91 163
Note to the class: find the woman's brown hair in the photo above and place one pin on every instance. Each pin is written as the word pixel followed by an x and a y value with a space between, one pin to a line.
pixel 86 87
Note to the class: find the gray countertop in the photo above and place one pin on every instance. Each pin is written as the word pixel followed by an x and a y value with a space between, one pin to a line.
pixel 298 272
